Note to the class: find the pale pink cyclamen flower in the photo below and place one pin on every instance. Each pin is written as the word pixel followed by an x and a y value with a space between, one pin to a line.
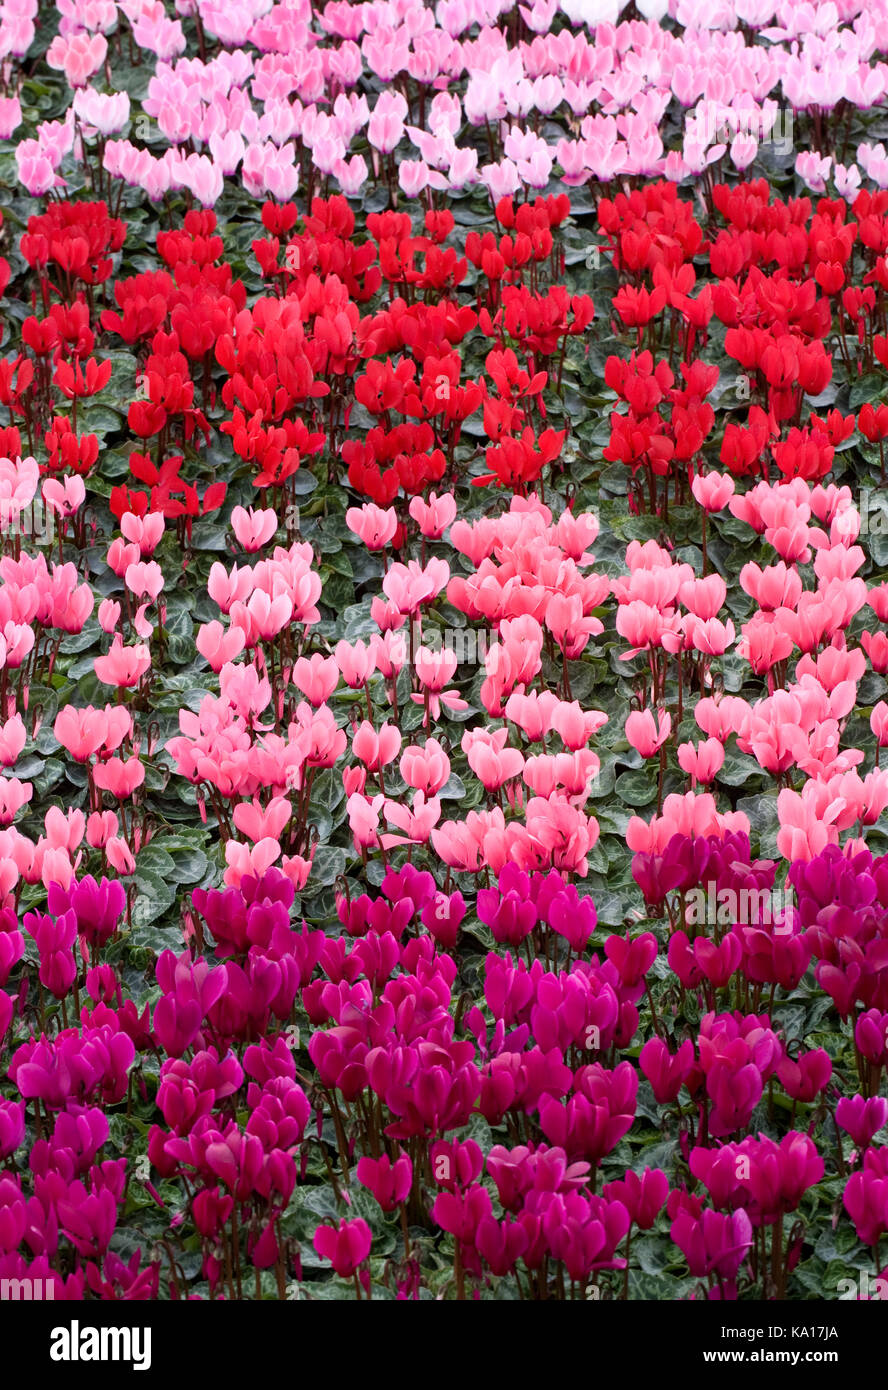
pixel 79 56
pixel 203 178
pixel 64 496
pixel 254 528
pixel 351 174
pixel 10 116
pixel 386 124
pixel 91 15
pixel 19 481
pixel 144 531
pixel 107 114
pixel 813 169
pixel 375 526
pixel 35 169
pixel 713 491
pixel 154 30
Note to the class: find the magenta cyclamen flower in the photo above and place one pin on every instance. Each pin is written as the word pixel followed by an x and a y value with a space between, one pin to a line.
pixel 508 910
pixel 389 1182
pixel 12 1126
pixel 442 916
pixel 455 1163
pixel 666 1072
pixel 97 907
pixel 74 1065
pixel 12 948
pixel 248 914
pixel 55 941
pixel 643 1196
pixel 764 1178
pixel 346 1246
pixel 712 1243
pixel 75 1143
pixel 866 1196
pixel 862 1119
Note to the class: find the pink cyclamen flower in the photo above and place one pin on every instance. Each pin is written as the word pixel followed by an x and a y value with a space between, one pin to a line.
pixel 10 116
pixel 701 761
pixel 253 528
pixel 78 56
pixel 390 1182
pixel 375 526
pixel 355 661
pixel 879 723
pixel 35 169
pixel 433 517
pixel 376 750
pixel 346 1246
pixel 316 676
pixel 122 666
pixel 64 496
pixel 645 734
pixel 713 491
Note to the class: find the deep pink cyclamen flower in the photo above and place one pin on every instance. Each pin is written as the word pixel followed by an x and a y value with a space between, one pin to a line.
pixel 806 1078
pixel 12 1126
pixel 713 1243
pixel 666 1073
pixel 763 1178
pixel 54 940
pixel 642 1195
pixel 501 1243
pixel 88 1218
pixel 871 1036
pixel 866 1196
pixel 508 910
pixel 442 917
pixel 346 1247
pixel 389 1182
pixel 862 1119
pixel 97 907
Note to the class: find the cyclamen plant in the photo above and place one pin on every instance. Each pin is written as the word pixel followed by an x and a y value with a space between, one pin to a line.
pixel 442 650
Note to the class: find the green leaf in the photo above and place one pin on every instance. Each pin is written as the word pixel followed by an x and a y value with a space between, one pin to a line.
pixel 154 895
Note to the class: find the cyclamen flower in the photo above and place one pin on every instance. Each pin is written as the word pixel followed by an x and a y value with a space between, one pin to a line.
pixel 346 1246
pixel 97 906
pixel 79 56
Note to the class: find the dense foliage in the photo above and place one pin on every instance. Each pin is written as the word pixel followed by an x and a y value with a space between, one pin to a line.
pixel 443 603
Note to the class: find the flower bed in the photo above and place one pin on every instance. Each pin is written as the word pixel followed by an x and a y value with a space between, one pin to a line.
pixel 443 650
